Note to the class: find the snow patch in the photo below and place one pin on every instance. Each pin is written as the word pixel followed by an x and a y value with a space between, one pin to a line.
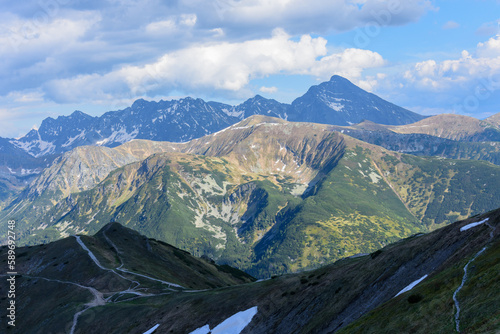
pixel 411 285
pixel 120 136
pixel 232 325
pixel 233 112
pixel 466 227
pixel 71 140
pixel 374 177
pixel 202 330
pixel 44 147
pixel 335 106
pixel 152 329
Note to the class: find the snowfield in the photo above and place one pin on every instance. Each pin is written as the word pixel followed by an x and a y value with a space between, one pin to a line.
pixel 152 329
pixel 411 285
pixel 232 325
pixel 466 227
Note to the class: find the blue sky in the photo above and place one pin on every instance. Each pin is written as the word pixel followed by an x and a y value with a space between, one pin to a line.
pixel 60 55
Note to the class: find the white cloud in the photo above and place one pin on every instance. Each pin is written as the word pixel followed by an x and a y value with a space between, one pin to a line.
pixel 453 73
pixel 26 97
pixel 349 63
pixel 218 32
pixel 489 49
pixel 305 16
pixel 188 19
pixel 268 90
pixel 451 25
pixel 220 66
pixel 44 37
pixel 165 26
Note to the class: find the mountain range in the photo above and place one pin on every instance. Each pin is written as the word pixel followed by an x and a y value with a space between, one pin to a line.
pixel 265 195
pixel 337 101
pixel 340 203
pixel 118 281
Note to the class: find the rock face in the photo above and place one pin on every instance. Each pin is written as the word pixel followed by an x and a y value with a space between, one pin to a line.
pixel 179 121
pixel 495 119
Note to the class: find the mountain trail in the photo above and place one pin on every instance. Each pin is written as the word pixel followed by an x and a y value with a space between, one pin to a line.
pixel 112 244
pixel 464 278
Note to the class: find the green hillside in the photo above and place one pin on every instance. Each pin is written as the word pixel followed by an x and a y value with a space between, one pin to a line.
pixel 138 283
pixel 272 197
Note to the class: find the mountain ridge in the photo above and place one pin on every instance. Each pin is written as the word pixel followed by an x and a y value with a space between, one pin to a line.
pixel 267 195
pixel 188 118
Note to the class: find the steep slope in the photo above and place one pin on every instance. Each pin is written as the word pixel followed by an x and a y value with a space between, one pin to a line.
pixel 176 120
pixel 78 170
pixel 495 120
pixel 357 294
pixel 271 196
pixel 455 127
pixel 117 265
pixel 340 102
pixel 259 105
pixel 17 170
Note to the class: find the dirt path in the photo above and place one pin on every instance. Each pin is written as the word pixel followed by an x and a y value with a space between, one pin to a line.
pixel 464 279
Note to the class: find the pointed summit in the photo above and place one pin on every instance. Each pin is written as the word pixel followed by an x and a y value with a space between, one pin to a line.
pixel 259 105
pixel 338 78
pixel 340 102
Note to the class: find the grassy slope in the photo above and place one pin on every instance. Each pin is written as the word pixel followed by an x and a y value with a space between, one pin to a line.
pixel 46 299
pixel 429 307
pixel 371 198
pixel 237 203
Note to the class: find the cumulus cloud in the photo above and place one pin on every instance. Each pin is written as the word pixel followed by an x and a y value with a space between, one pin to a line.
pixel 349 63
pixel 301 16
pixel 220 66
pixel 102 51
pixel 453 73
pixel 50 43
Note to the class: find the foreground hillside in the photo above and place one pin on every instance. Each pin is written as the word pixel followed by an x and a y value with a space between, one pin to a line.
pixel 121 282
pixel 266 195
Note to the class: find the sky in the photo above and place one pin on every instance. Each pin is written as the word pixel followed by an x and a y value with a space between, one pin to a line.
pixel 57 56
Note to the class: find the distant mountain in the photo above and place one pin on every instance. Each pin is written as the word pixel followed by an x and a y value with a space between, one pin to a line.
pixel 128 283
pixel 403 139
pixel 178 121
pixel 340 102
pixel 17 170
pixel 259 105
pixel 337 101
pixel 495 120
pixel 455 127
pixel 264 195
